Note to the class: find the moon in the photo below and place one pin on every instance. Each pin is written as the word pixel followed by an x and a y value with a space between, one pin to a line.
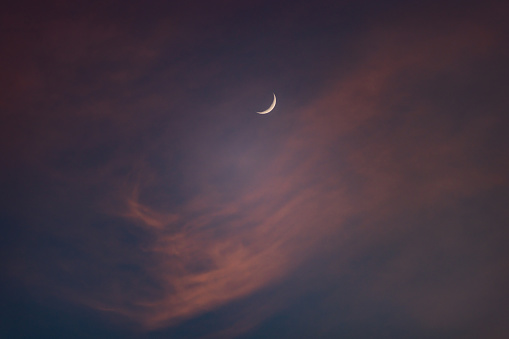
pixel 270 108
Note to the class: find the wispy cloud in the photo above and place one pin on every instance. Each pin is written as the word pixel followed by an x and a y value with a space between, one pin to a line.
pixel 202 206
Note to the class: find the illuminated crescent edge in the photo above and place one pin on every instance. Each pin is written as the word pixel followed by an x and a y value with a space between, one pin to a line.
pixel 271 106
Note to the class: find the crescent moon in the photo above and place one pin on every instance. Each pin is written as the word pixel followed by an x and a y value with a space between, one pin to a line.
pixel 270 108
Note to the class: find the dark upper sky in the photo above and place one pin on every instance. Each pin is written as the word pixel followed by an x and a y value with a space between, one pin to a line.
pixel 143 197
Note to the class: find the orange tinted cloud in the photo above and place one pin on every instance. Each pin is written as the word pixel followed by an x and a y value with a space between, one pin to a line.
pixel 225 205
pixel 226 243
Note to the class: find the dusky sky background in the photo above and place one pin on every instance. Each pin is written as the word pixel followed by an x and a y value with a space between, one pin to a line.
pixel 141 196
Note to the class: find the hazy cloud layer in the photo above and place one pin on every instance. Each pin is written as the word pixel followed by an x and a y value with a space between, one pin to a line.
pixel 148 188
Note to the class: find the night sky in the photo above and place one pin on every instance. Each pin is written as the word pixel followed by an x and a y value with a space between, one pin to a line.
pixel 142 196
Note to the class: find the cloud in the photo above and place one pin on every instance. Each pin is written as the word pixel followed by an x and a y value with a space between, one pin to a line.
pixel 354 154
pixel 202 205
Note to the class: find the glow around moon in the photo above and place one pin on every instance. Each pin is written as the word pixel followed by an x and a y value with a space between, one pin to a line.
pixel 270 108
